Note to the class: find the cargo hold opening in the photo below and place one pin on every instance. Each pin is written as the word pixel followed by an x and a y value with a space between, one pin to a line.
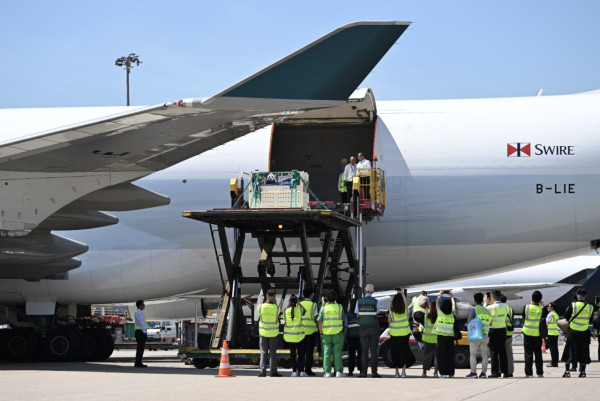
pixel 317 141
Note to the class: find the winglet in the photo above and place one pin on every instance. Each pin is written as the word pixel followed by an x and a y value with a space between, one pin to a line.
pixel 321 74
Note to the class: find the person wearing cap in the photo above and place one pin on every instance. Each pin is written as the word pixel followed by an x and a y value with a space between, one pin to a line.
pixel 481 346
pixel 367 309
pixel 552 336
pixel 353 340
pixel 580 314
pixel 309 322
pixel 141 336
pixel 532 341
pixel 268 330
pixel 332 327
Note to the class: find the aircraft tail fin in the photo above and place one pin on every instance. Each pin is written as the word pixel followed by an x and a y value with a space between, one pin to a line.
pixel 322 73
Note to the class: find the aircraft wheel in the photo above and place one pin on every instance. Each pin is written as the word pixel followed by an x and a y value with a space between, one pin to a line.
pixel 110 346
pixel 94 344
pixel 461 358
pixel 385 351
pixel 22 345
pixel 61 345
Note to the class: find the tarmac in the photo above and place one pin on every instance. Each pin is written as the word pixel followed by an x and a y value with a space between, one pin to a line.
pixel 167 378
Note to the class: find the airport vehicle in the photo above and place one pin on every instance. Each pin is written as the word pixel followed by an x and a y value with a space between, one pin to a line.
pixel 455 172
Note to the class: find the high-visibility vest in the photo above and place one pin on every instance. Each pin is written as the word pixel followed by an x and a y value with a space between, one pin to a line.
pixel 552 324
pixel 509 322
pixel 429 336
pixel 531 323
pixel 308 318
pixel 342 183
pixel 415 306
pixel 293 332
pixel 398 324
pixel 582 321
pixel 268 320
pixel 367 312
pixel 333 318
pixel 444 324
pixel 485 316
pixel 499 312
pixel 353 326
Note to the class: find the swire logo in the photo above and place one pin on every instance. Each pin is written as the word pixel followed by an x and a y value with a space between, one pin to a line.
pixel 519 149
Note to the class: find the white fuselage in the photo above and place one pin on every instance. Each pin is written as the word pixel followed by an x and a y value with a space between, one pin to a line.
pixel 456 204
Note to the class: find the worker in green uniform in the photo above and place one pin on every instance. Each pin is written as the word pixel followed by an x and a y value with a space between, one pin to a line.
pixel 532 341
pixel 353 340
pixel 367 309
pixel 268 329
pixel 332 324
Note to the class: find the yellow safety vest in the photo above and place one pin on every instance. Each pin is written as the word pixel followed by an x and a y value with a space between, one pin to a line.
pixel 333 318
pixel 293 332
pixel 342 183
pixel 268 320
pixel 429 336
pixel 485 316
pixel 499 312
pixel 509 323
pixel 531 323
pixel 582 321
pixel 416 307
pixel 308 318
pixel 552 324
pixel 444 324
pixel 399 324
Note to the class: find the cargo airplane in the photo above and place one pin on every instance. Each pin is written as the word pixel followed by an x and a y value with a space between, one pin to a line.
pixel 472 186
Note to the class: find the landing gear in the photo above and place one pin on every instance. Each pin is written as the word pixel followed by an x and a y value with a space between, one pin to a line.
pixel 61 344
pixel 22 345
pixel 96 345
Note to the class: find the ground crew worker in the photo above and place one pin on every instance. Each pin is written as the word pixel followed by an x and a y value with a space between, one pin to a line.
pixel 332 327
pixel 532 341
pixel 481 346
pixel 353 340
pixel 365 181
pixel 268 329
pixel 293 334
pixel 552 337
pixel 342 183
pixel 309 322
pixel 399 334
pixel 510 359
pixel 429 338
pixel 141 335
pixel 367 309
pixel 349 172
pixel 579 317
pixel 417 310
pixel 497 335
pixel 444 328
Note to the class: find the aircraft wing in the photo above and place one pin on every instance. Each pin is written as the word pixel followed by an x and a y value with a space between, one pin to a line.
pixel 60 179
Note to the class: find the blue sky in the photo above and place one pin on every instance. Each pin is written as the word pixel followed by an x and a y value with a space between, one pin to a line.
pixel 62 53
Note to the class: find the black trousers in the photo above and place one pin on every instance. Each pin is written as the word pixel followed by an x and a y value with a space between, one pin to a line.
pixel 580 348
pixel 297 348
pixel 533 347
pixel 354 353
pixel 552 345
pixel 445 355
pixel 140 339
pixel 498 351
pixel 309 349
pixel 344 197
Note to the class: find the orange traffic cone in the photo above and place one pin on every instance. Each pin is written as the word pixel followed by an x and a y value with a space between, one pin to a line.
pixel 224 369
pixel 543 345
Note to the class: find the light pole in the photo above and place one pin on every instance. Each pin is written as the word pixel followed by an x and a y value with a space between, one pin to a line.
pixel 128 62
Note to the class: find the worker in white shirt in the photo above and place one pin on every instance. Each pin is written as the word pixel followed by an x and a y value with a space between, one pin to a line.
pixel 365 182
pixel 349 172
pixel 140 333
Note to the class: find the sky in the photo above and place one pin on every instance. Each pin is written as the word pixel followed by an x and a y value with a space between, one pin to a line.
pixel 62 53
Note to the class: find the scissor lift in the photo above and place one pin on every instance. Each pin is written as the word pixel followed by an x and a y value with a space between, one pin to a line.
pixel 270 226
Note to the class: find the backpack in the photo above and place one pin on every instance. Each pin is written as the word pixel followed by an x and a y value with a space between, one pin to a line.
pixel 475 330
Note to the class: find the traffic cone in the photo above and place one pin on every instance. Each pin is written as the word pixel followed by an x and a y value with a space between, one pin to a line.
pixel 543 345
pixel 224 369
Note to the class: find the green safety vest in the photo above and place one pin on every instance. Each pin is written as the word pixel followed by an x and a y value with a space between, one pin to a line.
pixel 308 318
pixel 485 316
pixel 342 184
pixel 398 324
pixel 268 320
pixel 429 336
pixel 509 322
pixel 293 331
pixel 582 321
pixel 499 312
pixel 416 307
pixel 333 318
pixel 531 320
pixel 444 324
pixel 353 326
pixel 552 324
pixel 367 312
